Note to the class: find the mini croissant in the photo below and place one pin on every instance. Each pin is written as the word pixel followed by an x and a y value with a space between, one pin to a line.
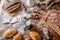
pixel 17 37
pixel 28 38
pixel 9 33
pixel 35 36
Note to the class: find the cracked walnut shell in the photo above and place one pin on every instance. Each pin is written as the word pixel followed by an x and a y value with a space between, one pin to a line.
pixel 17 37
pixel 9 33
pixel 35 36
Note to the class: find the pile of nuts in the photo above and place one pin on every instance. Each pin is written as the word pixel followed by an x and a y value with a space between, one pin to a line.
pixel 34 16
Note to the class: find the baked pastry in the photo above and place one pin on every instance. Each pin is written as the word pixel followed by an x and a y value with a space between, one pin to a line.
pixel 54 17
pixel 53 22
pixel 28 38
pixel 35 36
pixel 12 7
pixel 18 37
pixel 9 33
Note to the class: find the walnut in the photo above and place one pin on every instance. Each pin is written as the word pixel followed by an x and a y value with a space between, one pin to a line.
pixel 28 38
pixel 17 37
pixel 35 36
pixel 9 33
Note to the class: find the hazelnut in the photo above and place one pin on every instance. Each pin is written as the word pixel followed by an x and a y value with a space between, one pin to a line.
pixel 35 36
pixel 25 17
pixel 35 11
pixel 35 16
pixel 17 37
pixel 9 33
pixel 31 15
pixel 28 38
